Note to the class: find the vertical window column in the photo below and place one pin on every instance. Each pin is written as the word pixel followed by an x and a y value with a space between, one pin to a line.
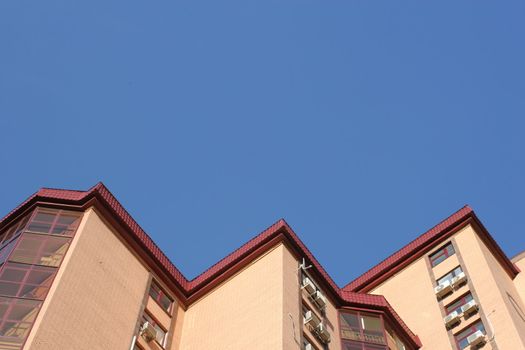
pixel 30 253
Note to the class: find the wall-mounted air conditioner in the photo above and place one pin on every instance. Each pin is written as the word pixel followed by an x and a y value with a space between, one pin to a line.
pixel 451 319
pixel 322 333
pixel 308 285
pixel 459 279
pixel 148 332
pixel 311 319
pixel 470 307
pixel 443 289
pixel 319 299
pixel 476 338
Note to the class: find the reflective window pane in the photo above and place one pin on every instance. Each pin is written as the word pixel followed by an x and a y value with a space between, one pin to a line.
pixel 6 250
pixel 25 281
pixel 40 250
pixel 16 319
pixel 57 222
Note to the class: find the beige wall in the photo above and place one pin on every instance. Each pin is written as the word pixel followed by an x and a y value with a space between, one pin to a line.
pixel 244 312
pixel 98 274
pixel 294 297
pixel 291 310
pixel 491 284
pixel 519 281
pixel 411 294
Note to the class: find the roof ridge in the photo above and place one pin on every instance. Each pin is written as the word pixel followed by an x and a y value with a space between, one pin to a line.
pixel 224 261
pixel 462 212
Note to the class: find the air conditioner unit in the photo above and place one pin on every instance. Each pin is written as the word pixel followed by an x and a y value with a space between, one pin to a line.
pixel 451 319
pixel 459 279
pixel 319 299
pixel 476 339
pixel 148 332
pixel 308 285
pixel 311 319
pixel 322 333
pixel 470 307
pixel 309 347
pixel 443 289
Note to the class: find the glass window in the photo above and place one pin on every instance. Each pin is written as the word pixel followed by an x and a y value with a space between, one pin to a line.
pixel 441 254
pixel 461 337
pixel 16 318
pixel 363 327
pixel 40 250
pixel 6 250
pixel 456 306
pixel 56 222
pixel 25 281
pixel 13 231
pixel 306 342
pixel 354 345
pixel 161 333
pixel 160 296
pixel 450 275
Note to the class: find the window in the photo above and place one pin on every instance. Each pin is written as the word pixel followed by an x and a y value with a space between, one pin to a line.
pixel 449 276
pixel 441 254
pixel 13 231
pixel 25 281
pixel 362 331
pixel 160 297
pixel 456 306
pixel 40 250
pixel 54 222
pixel 461 337
pixel 16 318
pixel 161 333
pixel 6 250
pixel 307 345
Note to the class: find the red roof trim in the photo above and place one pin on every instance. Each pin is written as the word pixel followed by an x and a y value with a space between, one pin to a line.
pixel 190 291
pixel 423 244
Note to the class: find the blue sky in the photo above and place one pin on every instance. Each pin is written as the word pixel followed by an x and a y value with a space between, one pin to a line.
pixel 362 123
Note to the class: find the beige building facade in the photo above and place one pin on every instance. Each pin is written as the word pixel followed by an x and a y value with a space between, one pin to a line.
pixel 77 272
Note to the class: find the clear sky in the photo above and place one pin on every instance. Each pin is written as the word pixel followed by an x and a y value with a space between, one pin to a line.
pixel 362 123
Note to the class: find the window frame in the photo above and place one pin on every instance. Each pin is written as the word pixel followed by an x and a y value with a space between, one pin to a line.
pixel 28 272
pixel 473 328
pixel 462 300
pixel 161 293
pixel 362 339
pixel 453 273
pixel 11 304
pixel 146 316
pixel 443 251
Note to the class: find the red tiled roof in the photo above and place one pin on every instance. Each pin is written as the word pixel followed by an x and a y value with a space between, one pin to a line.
pixel 188 288
pixel 418 246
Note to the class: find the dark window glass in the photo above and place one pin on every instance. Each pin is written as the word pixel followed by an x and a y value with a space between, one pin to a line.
pixel 25 281
pixel 13 231
pixel 362 327
pixel 461 337
pixel 16 318
pixel 6 250
pixel 160 296
pixel 56 222
pixel 450 275
pixel 456 306
pixel 441 254
pixel 351 345
pixel 40 250
pixel 354 345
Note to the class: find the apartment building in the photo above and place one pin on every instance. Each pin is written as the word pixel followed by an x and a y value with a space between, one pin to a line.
pixel 78 272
